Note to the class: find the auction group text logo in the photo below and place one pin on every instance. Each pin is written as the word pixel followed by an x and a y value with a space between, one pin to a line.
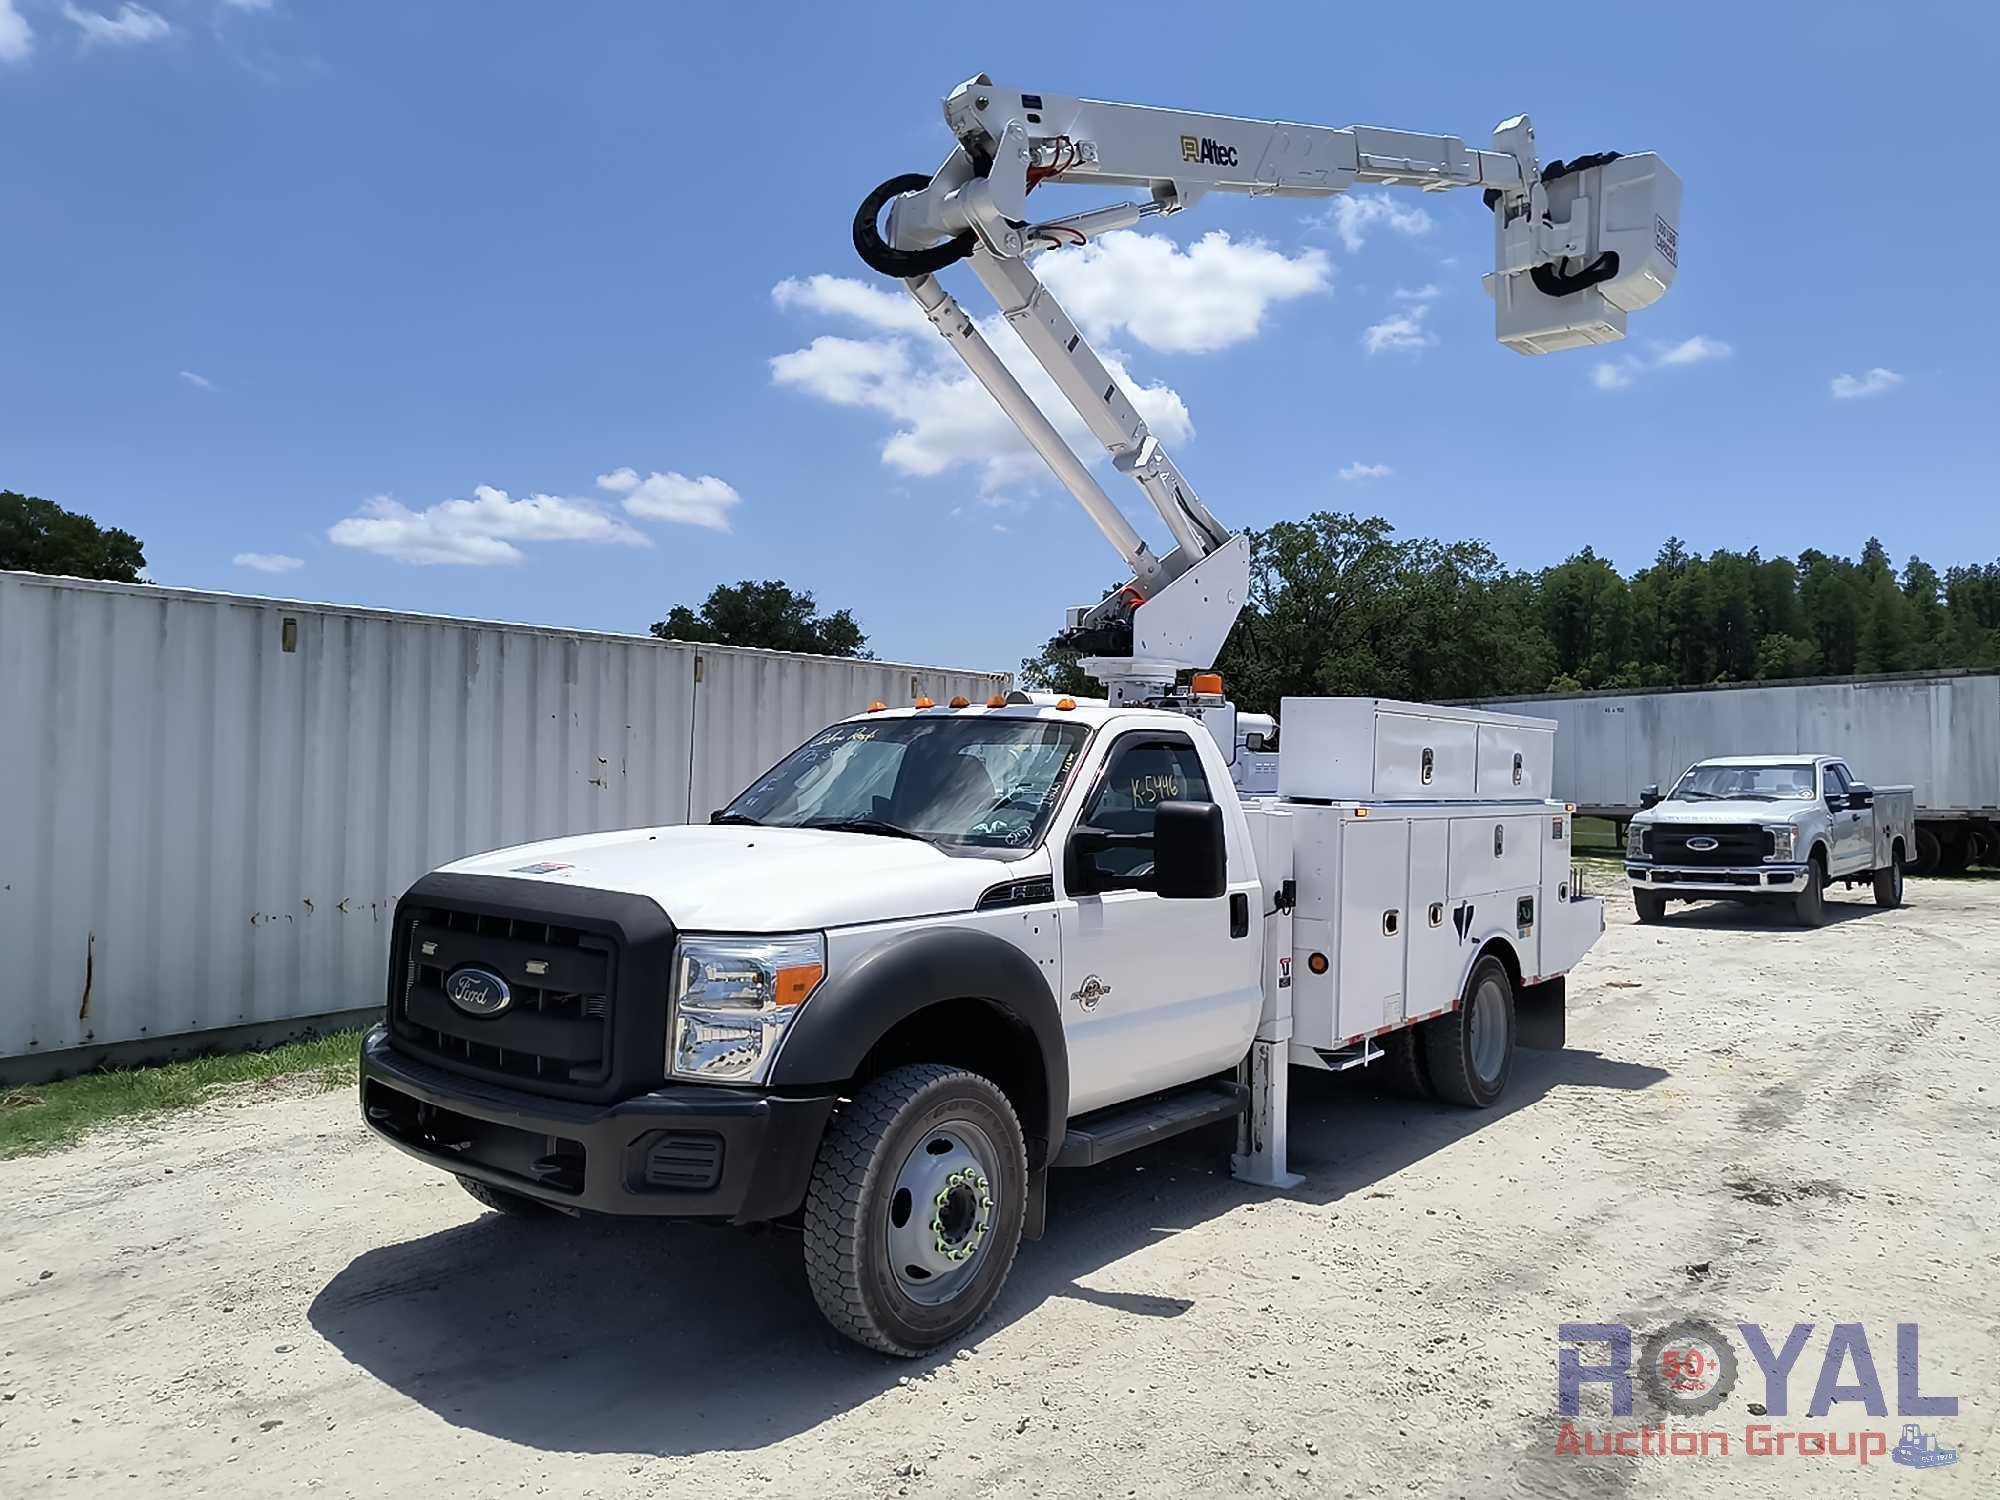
pixel 1689 1367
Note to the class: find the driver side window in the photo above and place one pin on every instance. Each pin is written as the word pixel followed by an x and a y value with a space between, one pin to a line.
pixel 1835 782
pixel 1144 771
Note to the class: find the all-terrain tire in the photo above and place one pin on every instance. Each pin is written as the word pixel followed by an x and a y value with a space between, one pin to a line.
pixel 519 1205
pixel 1650 905
pixel 1809 905
pixel 1467 1059
pixel 1954 855
pixel 1889 881
pixel 852 1197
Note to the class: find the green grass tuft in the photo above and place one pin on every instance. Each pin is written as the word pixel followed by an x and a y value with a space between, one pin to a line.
pixel 47 1116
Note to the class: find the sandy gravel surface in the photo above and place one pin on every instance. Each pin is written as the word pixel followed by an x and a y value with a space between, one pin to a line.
pixel 1749 1124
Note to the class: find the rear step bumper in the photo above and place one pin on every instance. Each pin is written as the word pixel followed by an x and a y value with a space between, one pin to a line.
pixel 1106 1133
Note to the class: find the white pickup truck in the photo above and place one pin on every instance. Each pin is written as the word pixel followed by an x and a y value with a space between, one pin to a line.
pixel 937 952
pixel 1768 828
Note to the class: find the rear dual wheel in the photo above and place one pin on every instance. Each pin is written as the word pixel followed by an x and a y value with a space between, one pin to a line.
pixel 1469 1053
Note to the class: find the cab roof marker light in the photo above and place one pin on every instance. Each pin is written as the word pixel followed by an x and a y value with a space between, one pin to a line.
pixel 926 703
pixel 998 700
pixel 1065 704
pixel 878 706
pixel 960 701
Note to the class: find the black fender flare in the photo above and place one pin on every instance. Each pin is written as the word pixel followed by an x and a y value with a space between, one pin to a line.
pixel 855 1007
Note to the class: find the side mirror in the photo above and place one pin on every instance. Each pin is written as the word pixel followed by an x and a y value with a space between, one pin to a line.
pixel 1190 858
pixel 1859 795
pixel 1650 796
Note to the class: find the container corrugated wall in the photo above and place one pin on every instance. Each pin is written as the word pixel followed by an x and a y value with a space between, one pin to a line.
pixel 209 804
pixel 1937 732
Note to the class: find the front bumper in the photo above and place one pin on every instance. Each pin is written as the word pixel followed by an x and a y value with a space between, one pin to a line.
pixel 686 1150
pixel 1737 880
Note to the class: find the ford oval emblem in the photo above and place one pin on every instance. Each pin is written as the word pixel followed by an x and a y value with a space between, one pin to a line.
pixel 1704 844
pixel 478 992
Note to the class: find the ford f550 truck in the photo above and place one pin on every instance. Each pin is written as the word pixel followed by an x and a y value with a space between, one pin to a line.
pixel 938 952
pixel 1768 828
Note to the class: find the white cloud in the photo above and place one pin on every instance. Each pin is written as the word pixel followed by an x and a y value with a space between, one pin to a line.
pixel 1359 470
pixel 480 532
pixel 1623 372
pixel 674 497
pixel 1874 383
pixel 1194 301
pixel 133 23
pixel 17 37
pixel 1354 217
pixel 872 306
pixel 1692 351
pixel 1400 332
pixel 199 382
pixel 247 4
pixel 269 562
pixel 1425 293
pixel 943 417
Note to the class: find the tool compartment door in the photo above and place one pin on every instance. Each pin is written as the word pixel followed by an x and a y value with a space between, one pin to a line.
pixel 1418 758
pixel 1434 948
pixel 1515 761
pixel 1374 882
pixel 1495 854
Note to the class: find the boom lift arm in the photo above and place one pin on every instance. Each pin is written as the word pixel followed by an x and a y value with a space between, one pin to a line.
pixel 1576 246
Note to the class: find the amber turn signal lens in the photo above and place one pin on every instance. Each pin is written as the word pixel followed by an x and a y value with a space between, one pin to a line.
pixel 791 986
pixel 1316 962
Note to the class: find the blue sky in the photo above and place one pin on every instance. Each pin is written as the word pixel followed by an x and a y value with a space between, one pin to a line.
pixel 282 277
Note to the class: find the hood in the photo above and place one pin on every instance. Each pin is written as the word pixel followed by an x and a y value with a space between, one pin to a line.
pixel 1723 812
pixel 733 878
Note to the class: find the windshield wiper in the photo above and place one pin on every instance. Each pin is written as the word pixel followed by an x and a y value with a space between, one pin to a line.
pixel 1751 797
pixel 1692 792
pixel 737 817
pixel 867 825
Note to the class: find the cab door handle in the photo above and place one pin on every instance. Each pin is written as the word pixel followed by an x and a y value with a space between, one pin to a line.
pixel 1239 914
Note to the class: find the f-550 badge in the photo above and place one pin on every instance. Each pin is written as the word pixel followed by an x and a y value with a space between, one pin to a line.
pixel 1090 992
pixel 1199 148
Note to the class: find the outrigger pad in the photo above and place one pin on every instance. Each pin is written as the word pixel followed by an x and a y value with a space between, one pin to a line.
pixel 1541 1015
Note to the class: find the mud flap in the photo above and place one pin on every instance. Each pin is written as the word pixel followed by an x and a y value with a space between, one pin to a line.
pixel 1541 1016
pixel 1036 1218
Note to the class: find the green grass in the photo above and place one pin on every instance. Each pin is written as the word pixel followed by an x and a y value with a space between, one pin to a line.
pixel 47 1116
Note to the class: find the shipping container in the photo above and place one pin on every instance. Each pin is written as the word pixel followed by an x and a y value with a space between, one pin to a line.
pixel 1936 731
pixel 209 803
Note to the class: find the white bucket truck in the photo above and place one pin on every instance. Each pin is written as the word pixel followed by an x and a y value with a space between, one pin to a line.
pixel 940 951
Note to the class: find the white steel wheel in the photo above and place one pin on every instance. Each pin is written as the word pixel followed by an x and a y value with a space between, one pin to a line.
pixel 916 1207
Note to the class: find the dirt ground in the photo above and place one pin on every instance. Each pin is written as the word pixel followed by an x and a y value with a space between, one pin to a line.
pixel 1750 1124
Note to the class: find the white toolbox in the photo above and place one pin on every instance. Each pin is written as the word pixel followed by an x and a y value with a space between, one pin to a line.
pixel 1381 750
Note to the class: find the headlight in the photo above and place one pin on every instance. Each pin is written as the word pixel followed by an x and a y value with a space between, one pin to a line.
pixel 1784 843
pixel 733 998
pixel 1635 841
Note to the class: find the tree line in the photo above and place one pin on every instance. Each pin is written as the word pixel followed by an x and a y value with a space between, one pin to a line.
pixel 1338 604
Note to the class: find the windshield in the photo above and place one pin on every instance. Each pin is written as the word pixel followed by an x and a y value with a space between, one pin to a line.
pixel 984 782
pixel 1746 784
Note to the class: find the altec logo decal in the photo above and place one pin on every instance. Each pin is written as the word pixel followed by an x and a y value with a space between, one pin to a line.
pixel 1689 1367
pixel 1199 148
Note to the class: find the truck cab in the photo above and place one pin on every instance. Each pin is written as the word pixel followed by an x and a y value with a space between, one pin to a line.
pixel 1768 828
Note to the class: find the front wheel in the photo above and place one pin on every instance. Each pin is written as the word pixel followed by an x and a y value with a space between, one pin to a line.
pixel 1889 882
pixel 1809 905
pixel 1470 1052
pixel 916 1207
